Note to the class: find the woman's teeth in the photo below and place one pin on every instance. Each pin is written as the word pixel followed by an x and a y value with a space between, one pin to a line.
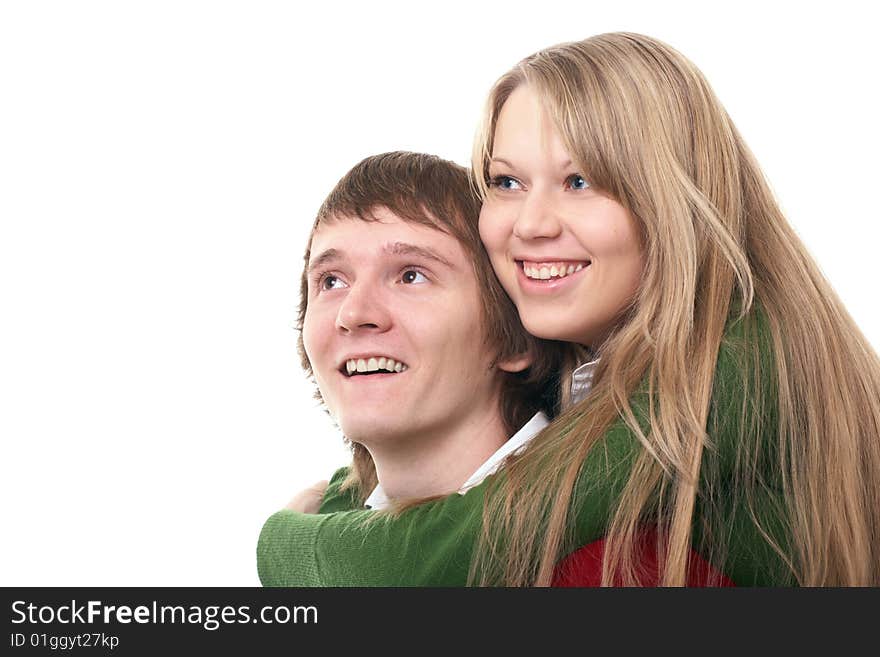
pixel 547 270
pixel 362 365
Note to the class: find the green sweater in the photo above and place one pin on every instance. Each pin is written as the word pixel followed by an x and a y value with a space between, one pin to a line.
pixel 432 544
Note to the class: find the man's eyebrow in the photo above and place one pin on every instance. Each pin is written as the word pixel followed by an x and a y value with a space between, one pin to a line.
pixel 405 249
pixel 329 255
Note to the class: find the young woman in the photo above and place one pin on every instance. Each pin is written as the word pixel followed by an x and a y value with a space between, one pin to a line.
pixel 734 407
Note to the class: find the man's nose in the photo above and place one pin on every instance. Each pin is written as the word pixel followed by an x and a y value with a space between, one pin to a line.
pixel 363 309
pixel 537 218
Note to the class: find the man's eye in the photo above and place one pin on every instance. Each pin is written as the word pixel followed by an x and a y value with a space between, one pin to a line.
pixel 330 282
pixel 411 276
pixel 504 182
pixel 577 181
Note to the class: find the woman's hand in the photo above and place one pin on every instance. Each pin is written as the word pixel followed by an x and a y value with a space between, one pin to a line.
pixel 309 499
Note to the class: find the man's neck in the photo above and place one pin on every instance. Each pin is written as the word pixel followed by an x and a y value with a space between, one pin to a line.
pixel 437 462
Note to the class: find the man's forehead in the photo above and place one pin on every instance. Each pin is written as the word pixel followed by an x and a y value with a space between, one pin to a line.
pixel 385 237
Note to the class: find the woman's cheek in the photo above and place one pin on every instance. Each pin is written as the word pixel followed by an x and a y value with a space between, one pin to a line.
pixel 492 232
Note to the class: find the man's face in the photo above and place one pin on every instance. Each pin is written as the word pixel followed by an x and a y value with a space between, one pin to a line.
pixel 393 330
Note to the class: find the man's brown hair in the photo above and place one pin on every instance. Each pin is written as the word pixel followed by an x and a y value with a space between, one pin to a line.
pixel 427 190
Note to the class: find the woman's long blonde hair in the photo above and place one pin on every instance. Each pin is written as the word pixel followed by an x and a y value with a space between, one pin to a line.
pixel 647 129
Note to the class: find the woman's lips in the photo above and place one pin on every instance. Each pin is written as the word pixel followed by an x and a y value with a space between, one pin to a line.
pixel 549 269
pixel 549 276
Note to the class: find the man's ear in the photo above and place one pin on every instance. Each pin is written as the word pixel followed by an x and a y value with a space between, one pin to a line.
pixel 517 362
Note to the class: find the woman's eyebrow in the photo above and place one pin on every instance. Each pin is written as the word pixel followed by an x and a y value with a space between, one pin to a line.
pixel 501 160
pixel 406 249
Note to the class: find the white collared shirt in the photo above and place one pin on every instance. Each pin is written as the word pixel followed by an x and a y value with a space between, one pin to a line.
pixel 378 500
pixel 582 380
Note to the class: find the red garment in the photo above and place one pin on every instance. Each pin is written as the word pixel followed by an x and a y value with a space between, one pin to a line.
pixel 583 567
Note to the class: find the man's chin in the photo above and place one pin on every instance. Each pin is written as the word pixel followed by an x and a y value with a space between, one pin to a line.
pixel 375 430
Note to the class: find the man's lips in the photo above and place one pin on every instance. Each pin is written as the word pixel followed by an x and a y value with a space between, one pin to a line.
pixel 371 364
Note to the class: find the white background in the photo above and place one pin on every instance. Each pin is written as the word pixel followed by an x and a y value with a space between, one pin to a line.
pixel 160 166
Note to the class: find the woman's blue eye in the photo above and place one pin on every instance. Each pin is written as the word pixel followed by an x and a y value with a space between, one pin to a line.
pixel 411 276
pixel 504 182
pixel 577 182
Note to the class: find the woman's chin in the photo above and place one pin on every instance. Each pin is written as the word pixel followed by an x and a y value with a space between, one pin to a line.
pixel 554 328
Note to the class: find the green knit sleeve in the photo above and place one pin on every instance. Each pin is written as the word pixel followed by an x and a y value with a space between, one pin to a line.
pixel 286 549
pixel 339 500
pixel 429 545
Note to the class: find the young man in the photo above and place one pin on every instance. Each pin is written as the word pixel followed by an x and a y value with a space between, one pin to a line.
pixel 416 351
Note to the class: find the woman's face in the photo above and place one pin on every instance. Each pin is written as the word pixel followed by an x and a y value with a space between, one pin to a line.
pixel 569 256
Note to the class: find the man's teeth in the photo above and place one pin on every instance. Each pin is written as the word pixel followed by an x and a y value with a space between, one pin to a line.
pixel 546 272
pixel 361 365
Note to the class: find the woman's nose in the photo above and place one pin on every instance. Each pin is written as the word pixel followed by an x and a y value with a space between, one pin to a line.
pixel 537 219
